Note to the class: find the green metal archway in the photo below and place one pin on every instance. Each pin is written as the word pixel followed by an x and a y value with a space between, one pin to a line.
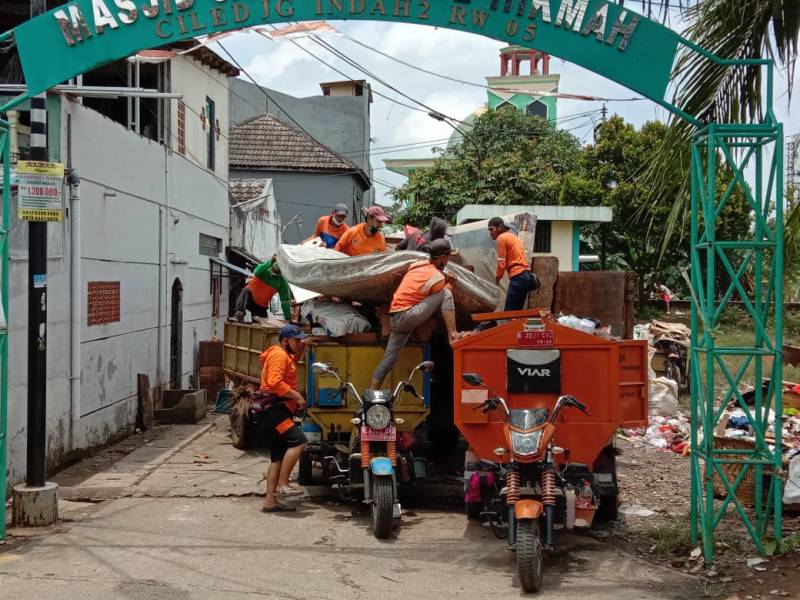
pixel 601 36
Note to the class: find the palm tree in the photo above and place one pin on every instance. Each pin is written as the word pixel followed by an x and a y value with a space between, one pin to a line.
pixel 734 29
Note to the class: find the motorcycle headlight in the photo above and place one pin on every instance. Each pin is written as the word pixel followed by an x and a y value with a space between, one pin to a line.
pixel 525 444
pixel 378 417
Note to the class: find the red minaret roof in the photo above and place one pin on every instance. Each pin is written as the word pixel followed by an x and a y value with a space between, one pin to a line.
pixel 511 60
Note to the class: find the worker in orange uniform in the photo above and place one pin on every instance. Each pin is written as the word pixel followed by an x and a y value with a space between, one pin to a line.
pixel 331 228
pixel 365 238
pixel 511 259
pixel 423 291
pixel 276 421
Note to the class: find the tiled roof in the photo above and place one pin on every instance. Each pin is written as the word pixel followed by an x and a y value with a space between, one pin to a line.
pixel 242 190
pixel 265 143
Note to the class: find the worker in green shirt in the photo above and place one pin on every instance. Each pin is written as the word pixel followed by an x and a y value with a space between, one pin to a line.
pixel 261 287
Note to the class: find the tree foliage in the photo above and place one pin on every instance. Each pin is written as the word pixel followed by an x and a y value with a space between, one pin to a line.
pixel 505 157
pixel 510 158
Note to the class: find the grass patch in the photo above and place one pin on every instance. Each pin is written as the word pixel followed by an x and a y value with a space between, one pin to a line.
pixel 671 537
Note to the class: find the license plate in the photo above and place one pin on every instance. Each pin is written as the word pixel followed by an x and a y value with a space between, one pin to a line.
pixel 378 435
pixel 536 339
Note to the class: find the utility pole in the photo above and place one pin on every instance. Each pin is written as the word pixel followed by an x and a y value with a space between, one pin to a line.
pixel 36 502
pixel 792 170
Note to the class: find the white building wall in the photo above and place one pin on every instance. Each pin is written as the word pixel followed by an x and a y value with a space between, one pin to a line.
pixel 137 197
pixel 197 82
pixel 561 244
pixel 257 230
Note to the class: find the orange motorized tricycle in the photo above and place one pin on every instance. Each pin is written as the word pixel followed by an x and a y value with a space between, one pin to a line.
pixel 538 404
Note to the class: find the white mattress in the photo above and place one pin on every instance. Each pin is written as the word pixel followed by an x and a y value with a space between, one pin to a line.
pixel 373 278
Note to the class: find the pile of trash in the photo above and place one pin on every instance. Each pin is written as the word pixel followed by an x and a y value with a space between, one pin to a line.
pixel 735 424
pixel 665 433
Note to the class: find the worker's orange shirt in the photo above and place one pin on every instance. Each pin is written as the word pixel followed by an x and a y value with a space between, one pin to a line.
pixel 420 281
pixel 356 242
pixel 279 374
pixel 510 256
pixel 326 225
pixel 262 292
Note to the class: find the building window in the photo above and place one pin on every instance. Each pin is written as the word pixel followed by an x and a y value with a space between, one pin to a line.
pixel 537 109
pixel 209 245
pixel 181 127
pixel 211 119
pixel 542 242
pixel 102 303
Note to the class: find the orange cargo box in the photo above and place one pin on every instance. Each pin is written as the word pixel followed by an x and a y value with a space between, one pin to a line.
pixel 530 361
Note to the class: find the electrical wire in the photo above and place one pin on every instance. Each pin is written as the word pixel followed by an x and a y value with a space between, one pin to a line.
pixel 263 91
pixel 346 76
pixel 369 73
pixel 472 83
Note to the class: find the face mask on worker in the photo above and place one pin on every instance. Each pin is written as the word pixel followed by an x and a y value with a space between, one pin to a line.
pixel 338 219
pixel 373 225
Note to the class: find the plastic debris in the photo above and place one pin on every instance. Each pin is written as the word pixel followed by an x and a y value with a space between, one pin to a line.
pixel 635 510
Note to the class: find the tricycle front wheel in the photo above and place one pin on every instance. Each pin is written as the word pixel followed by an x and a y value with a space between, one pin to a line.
pixel 529 555
pixel 382 505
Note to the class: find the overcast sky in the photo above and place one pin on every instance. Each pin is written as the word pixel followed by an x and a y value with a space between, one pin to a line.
pixel 285 67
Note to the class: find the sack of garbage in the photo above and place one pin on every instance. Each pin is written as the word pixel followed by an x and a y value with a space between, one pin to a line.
pixel 663 401
pixel 791 491
pixel 373 278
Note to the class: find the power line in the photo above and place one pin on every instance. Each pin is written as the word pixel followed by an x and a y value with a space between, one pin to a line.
pixel 345 75
pixel 369 73
pixel 461 81
pixel 263 91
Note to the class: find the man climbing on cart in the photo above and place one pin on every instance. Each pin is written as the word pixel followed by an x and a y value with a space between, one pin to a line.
pixel 275 406
pixel 511 259
pixel 261 287
pixel 423 291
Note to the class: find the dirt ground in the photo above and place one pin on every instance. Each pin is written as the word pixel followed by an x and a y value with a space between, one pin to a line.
pixel 658 480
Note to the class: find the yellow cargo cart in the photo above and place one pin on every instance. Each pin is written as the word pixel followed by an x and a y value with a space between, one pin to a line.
pixel 330 411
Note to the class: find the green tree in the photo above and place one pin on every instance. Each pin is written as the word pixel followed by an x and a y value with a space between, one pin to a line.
pixel 505 157
pixel 615 161
pixel 643 237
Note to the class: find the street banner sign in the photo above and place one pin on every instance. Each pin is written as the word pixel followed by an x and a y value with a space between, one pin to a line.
pixel 41 191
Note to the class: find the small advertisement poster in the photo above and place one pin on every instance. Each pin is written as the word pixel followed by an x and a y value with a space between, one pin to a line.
pixel 41 190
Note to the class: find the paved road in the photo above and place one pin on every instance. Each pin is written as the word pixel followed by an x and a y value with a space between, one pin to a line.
pixel 177 547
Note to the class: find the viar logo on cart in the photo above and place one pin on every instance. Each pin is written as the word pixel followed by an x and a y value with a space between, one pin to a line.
pixel 533 371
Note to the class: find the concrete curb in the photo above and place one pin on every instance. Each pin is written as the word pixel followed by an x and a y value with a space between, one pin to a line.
pixel 152 466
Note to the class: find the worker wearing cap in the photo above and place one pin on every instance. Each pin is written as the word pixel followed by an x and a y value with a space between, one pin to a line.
pixel 286 440
pixel 365 238
pixel 261 287
pixel 331 228
pixel 511 259
pixel 422 292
